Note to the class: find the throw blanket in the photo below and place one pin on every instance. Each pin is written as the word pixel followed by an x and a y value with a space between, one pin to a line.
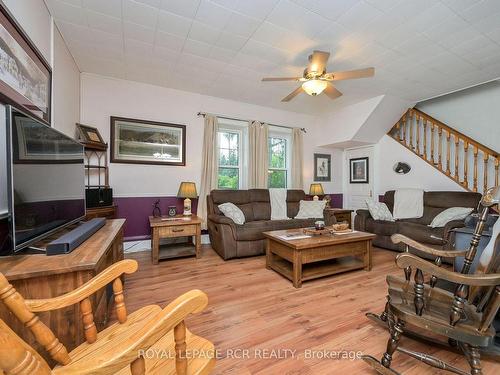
pixel 489 250
pixel 408 204
pixel 278 204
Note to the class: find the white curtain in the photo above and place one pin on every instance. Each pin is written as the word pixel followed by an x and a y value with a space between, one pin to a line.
pixel 210 166
pixel 297 158
pixel 258 155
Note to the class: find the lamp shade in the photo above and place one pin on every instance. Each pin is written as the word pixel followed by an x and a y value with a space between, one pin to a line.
pixel 187 190
pixel 316 189
pixel 314 87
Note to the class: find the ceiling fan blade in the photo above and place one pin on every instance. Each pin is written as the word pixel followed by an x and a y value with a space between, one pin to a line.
pixel 318 61
pixel 293 94
pixel 350 74
pixel 332 92
pixel 281 79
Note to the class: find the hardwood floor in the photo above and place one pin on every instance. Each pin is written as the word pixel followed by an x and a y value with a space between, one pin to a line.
pixel 255 309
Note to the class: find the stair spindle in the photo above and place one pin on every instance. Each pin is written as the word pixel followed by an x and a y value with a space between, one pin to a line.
pixel 404 129
pixel 486 158
pixel 448 153
pixel 440 148
pixel 497 162
pixel 398 132
pixel 417 120
pixel 424 154
pixel 466 163
pixel 475 168
pixel 411 130
pixel 432 144
pixel 457 141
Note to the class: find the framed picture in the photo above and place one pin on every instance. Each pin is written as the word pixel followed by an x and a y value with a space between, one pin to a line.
pixel 90 135
pixel 358 171
pixel 322 167
pixel 147 142
pixel 25 76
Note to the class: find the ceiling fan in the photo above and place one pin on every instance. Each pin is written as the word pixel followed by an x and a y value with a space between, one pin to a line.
pixel 316 80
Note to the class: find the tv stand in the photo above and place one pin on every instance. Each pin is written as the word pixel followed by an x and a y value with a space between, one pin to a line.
pixel 31 250
pixel 40 276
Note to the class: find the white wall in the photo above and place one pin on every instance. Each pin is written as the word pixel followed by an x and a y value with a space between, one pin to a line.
pixel 102 97
pixel 422 175
pixel 65 88
pixel 473 111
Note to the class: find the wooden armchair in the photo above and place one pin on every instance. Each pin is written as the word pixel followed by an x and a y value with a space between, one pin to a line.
pixel 150 340
pixel 463 316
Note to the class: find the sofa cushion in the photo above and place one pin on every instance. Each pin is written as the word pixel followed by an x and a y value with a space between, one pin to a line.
pixel 252 230
pixel 310 209
pixel 450 214
pixel 421 233
pixel 381 227
pixel 379 210
pixel 233 212
pixel 261 204
pixel 241 198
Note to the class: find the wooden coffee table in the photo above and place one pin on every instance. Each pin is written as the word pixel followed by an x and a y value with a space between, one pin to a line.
pixel 313 257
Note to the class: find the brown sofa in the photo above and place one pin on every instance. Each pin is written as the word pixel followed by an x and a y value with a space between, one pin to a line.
pixel 418 229
pixel 230 240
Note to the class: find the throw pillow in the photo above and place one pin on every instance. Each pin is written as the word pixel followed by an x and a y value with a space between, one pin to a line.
pixel 450 214
pixel 233 212
pixel 310 209
pixel 379 210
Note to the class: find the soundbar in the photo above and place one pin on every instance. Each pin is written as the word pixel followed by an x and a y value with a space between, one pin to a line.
pixel 71 240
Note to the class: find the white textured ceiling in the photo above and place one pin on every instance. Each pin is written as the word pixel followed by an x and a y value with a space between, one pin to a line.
pixel 419 48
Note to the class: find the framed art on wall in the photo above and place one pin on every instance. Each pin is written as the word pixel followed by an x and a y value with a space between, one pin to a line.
pixel 358 171
pixel 25 76
pixel 90 136
pixel 322 167
pixel 147 142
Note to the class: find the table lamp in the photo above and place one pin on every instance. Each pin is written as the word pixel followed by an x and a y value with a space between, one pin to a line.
pixel 187 190
pixel 316 189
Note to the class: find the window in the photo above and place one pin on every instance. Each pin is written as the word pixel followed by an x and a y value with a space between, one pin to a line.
pixel 278 164
pixel 229 159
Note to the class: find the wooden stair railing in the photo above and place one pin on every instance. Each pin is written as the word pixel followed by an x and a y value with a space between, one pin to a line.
pixel 466 161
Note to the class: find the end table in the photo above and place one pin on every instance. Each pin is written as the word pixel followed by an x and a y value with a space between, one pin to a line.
pixel 175 228
pixel 341 214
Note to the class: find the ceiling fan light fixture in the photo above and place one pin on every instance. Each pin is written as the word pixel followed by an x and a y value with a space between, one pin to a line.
pixel 314 87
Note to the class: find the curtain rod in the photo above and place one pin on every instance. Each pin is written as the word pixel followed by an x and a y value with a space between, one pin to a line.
pixel 239 119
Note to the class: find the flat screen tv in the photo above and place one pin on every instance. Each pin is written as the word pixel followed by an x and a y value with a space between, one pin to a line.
pixel 46 179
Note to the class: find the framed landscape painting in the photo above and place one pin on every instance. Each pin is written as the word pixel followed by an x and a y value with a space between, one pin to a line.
pixel 25 76
pixel 322 167
pixel 147 142
pixel 358 171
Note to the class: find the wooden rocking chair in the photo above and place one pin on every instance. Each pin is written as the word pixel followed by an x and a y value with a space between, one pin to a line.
pixel 149 341
pixel 423 311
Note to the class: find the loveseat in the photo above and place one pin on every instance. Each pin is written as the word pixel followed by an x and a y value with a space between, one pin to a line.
pixel 231 240
pixel 418 229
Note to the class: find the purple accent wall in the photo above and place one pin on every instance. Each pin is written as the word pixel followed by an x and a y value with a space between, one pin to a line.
pixel 138 209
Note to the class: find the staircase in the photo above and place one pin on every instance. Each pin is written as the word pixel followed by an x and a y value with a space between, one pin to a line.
pixel 467 162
